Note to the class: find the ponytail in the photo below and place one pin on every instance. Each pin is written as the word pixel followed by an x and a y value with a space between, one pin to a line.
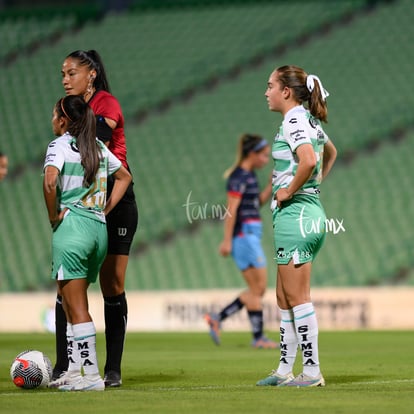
pixel 82 126
pixel 247 144
pixel 306 88
pixel 93 61
pixel 317 100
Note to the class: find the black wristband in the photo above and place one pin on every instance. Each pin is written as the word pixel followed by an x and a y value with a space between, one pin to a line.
pixel 103 130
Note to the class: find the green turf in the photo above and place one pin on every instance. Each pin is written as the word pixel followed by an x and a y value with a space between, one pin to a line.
pixel 365 372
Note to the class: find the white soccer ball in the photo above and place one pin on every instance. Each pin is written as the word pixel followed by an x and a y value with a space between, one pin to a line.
pixel 31 369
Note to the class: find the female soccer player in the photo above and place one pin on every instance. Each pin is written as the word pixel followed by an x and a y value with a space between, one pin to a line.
pixel 242 237
pixel 75 180
pixel 4 162
pixel 83 73
pixel 303 156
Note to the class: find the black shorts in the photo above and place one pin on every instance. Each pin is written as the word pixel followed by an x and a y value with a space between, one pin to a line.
pixel 122 222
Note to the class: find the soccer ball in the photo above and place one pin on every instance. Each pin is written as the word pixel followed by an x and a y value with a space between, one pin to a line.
pixel 31 369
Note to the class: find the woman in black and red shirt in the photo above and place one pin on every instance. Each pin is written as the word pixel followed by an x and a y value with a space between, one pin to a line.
pixel 83 74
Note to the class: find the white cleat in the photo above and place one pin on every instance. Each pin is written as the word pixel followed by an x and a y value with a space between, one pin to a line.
pixel 303 380
pixel 85 383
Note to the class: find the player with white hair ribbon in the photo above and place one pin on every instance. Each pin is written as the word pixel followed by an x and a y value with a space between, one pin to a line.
pixel 310 84
pixel 303 155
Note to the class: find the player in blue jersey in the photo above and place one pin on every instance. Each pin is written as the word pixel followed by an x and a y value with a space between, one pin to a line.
pixel 303 156
pixel 76 169
pixel 242 237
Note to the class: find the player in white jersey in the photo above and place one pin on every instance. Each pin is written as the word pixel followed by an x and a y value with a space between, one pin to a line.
pixel 299 127
pixel 76 168
pixel 303 155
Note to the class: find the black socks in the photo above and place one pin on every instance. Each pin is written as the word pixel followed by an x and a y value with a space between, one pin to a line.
pixel 256 321
pixel 61 341
pixel 116 313
pixel 230 309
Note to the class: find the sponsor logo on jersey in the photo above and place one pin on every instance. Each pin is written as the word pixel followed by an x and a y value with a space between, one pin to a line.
pixel 320 137
pixel 280 253
pixel 313 123
pixel 73 147
pixel 49 158
pixel 293 121
pixel 297 132
pixel 297 135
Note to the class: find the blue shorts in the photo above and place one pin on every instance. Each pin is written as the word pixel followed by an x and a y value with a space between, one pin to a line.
pixel 247 248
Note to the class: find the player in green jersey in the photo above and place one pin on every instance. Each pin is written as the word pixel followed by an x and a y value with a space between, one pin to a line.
pixel 76 169
pixel 303 156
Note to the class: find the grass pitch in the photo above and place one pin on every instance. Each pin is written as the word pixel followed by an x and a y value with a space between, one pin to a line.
pixel 365 372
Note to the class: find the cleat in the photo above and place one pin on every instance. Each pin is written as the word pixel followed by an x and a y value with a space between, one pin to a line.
pixel 64 378
pixel 112 379
pixel 213 322
pixel 276 380
pixel 85 383
pixel 264 343
pixel 57 373
pixel 303 380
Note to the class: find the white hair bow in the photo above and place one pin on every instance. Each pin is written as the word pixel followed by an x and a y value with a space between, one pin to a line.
pixel 310 84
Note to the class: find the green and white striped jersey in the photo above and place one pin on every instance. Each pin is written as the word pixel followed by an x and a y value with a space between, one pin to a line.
pixel 63 154
pixel 298 127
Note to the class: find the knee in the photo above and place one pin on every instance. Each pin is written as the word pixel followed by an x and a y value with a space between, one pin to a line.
pixel 259 288
pixel 261 291
pixel 286 300
pixel 112 290
pixel 257 291
pixel 111 285
pixel 112 275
